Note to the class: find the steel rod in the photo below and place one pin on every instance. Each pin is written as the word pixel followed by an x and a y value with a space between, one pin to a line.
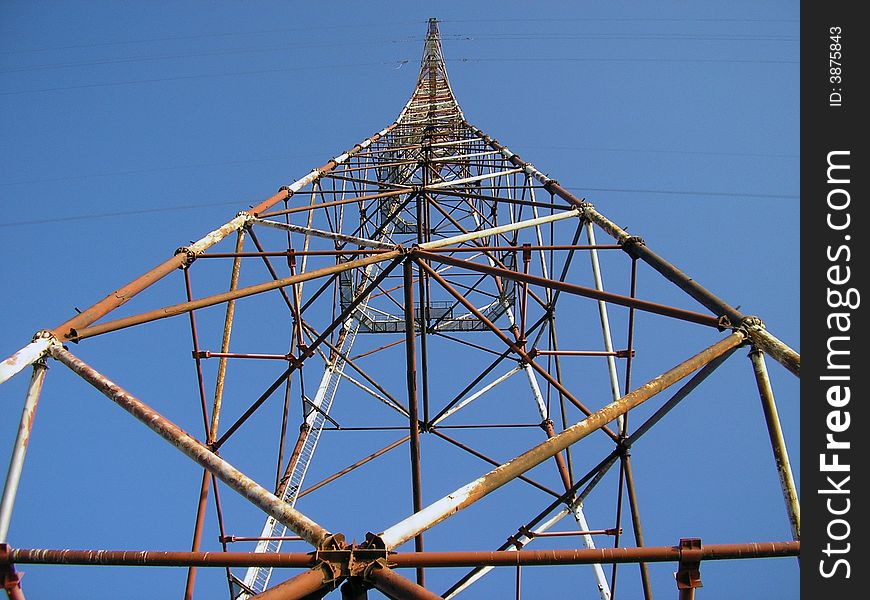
pixel 280 253
pixel 634 509
pixel 19 450
pixel 777 442
pixel 305 586
pixel 395 586
pixel 354 466
pixel 178 309
pixel 153 558
pixel 452 249
pixel 225 342
pixel 197 532
pixel 414 419
pixel 491 461
pixel 578 290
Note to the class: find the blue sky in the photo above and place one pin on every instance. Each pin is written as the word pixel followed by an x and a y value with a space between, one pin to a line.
pixel 128 130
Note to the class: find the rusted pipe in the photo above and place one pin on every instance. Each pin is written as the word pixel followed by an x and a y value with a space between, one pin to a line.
pixel 197 533
pixel 634 509
pixel 225 342
pixel 395 586
pixel 414 419
pixel 196 450
pixel 529 558
pixel 354 466
pixel 301 586
pixel 149 558
pixel 452 249
pixel 578 290
pixel 178 309
pixel 477 489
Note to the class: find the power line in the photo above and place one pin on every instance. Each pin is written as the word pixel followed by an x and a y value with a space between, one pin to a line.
pixel 239 203
pixel 189 77
pixel 126 213
pixel 392 62
pixel 687 192
pixel 621 36
pixel 158 169
pixel 203 36
pixel 457 37
pixel 620 19
pixel 662 151
pixel 135 59
pixel 618 60
pixel 381 24
pixel 299 156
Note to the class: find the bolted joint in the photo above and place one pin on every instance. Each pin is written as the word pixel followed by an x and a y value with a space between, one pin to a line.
pixel 514 540
pixel 583 207
pixel 333 541
pixel 330 573
pixel 371 567
pixel 631 243
pixel 527 253
pixel 45 334
pixel 288 189
pixel 751 322
pixel 688 575
pixel 189 256
pixel 623 448
pixel 248 219
pixel 10 579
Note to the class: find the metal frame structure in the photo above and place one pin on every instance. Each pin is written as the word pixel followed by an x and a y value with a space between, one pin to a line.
pixel 437 238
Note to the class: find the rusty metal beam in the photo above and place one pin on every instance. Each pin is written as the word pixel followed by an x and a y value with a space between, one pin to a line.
pixel 395 586
pixel 178 309
pixel 354 466
pixel 304 586
pixel 197 451
pixel 413 416
pixel 578 290
pixel 153 558
pixel 225 343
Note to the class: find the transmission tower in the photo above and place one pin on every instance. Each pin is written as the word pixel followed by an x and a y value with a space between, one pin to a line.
pixel 430 289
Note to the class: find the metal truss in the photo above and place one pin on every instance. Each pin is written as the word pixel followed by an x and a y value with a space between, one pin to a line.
pixel 426 285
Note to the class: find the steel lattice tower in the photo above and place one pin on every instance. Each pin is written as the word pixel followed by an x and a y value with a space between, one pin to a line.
pixel 429 286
